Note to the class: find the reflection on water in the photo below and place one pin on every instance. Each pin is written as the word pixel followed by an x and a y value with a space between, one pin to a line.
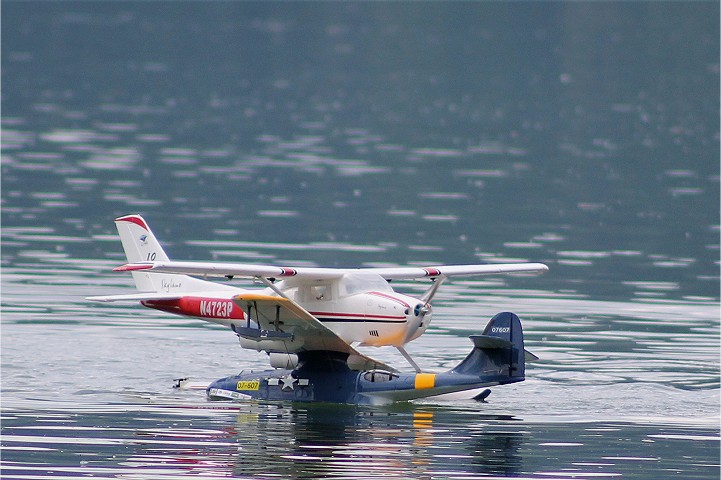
pixel 163 437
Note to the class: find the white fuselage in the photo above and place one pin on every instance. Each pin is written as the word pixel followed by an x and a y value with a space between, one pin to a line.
pixel 359 309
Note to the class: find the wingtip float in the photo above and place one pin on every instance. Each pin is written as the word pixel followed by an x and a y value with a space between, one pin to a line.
pixel 308 318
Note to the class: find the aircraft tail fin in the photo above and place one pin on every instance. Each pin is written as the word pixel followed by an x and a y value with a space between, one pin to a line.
pixel 141 245
pixel 499 350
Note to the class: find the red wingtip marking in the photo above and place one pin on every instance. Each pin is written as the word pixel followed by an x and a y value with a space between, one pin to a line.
pixel 130 267
pixel 432 272
pixel 136 219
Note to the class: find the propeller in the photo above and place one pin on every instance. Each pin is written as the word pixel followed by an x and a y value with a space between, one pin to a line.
pixel 422 309
pixel 419 313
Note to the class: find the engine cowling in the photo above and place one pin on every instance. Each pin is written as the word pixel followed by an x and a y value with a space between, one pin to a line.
pixel 418 321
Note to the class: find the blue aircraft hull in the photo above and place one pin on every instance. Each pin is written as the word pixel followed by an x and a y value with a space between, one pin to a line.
pixel 497 358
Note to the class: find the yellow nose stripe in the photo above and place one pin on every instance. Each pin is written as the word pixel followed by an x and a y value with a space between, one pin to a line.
pixel 425 380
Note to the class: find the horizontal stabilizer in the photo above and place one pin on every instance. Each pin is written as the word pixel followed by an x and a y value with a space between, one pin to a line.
pixel 136 297
pixel 530 357
pixel 486 341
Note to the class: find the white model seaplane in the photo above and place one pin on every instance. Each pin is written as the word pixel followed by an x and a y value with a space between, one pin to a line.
pixel 300 309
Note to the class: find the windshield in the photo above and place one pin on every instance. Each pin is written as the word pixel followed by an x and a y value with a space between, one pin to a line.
pixel 353 283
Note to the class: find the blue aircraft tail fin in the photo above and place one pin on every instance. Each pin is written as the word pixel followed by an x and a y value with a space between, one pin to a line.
pixel 498 351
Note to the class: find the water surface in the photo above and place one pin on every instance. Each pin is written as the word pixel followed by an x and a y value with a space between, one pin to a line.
pixel 582 135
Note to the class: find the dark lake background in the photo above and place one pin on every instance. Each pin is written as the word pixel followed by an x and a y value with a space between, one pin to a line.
pixel 583 135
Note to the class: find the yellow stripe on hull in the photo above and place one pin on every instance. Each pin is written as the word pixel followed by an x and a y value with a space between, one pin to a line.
pixel 425 380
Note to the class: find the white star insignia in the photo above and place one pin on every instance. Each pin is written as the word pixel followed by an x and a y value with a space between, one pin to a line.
pixel 287 382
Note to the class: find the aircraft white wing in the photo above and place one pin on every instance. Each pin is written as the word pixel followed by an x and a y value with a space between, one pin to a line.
pixel 220 269
pixel 407 273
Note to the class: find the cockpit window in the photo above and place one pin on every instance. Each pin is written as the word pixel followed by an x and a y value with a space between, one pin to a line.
pixel 320 292
pixel 306 292
pixel 353 283
pixel 379 376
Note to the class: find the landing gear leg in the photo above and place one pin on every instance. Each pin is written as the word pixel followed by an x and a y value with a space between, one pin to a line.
pixel 410 360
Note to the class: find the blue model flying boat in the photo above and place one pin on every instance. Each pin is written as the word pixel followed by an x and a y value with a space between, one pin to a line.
pixel 498 357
